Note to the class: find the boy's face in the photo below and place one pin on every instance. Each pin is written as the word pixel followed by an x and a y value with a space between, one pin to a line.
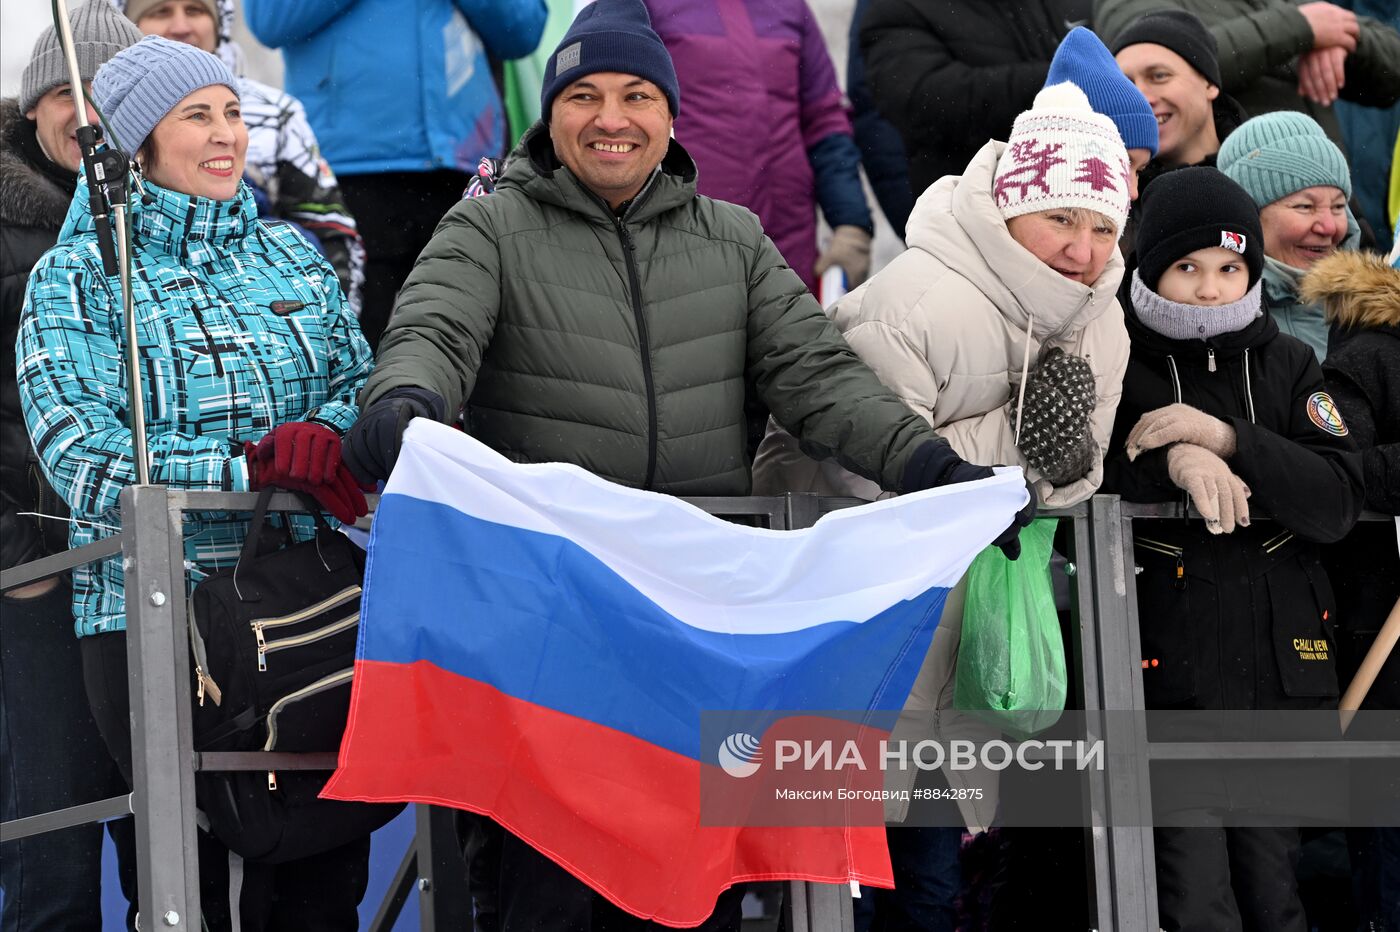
pixel 1206 278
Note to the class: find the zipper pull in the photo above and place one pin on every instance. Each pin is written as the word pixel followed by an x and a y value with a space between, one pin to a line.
pixel 262 647
pixel 271 780
pixel 1180 583
pixel 207 686
pixel 1210 360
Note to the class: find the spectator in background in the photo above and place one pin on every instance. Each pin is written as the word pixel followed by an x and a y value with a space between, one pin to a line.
pixel 881 148
pixel 1171 57
pixel 51 755
pixel 1220 405
pixel 1361 297
pixel 1370 134
pixel 772 135
pixel 952 75
pixel 401 95
pixel 284 160
pixel 1282 55
pixel 1301 183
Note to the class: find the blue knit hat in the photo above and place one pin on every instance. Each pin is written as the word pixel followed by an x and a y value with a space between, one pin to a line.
pixel 1274 155
pixel 1086 62
pixel 141 84
pixel 610 35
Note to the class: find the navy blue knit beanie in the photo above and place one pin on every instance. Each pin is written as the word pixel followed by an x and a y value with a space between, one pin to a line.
pixel 610 35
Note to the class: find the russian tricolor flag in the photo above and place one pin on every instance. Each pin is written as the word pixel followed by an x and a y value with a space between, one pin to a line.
pixel 538 644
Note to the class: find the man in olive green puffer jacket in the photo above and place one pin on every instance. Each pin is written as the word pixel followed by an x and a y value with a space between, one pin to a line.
pixel 595 310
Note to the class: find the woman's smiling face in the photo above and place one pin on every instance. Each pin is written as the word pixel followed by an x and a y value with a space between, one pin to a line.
pixel 199 147
pixel 1305 226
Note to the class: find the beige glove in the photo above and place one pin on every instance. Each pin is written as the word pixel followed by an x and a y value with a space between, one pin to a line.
pixel 850 249
pixel 1180 423
pixel 1218 494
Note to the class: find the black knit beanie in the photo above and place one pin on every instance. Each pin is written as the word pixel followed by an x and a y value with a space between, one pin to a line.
pixel 610 35
pixel 1196 208
pixel 1179 31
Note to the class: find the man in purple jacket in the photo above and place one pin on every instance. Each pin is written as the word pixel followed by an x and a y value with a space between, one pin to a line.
pixel 765 121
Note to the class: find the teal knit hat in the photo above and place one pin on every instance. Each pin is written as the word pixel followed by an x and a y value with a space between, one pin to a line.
pixel 1274 155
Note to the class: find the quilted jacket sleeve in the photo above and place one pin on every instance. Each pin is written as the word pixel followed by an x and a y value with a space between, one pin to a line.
pixel 446 313
pixel 1253 39
pixel 813 382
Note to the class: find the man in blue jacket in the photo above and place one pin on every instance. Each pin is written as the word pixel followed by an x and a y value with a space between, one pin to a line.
pixel 401 95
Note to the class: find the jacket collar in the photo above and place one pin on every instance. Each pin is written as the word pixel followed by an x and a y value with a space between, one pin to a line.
pixel 957 221
pixel 536 171
pixel 28 196
pixel 195 230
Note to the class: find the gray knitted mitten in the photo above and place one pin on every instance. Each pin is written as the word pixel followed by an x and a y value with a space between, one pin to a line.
pixel 1060 398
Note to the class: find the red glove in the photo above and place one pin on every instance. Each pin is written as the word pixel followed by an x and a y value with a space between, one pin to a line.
pixel 306 457
pixel 300 451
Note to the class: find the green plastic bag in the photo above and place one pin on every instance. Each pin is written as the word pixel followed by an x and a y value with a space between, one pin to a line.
pixel 1011 661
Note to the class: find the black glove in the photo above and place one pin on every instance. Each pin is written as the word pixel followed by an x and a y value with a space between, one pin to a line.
pixel 1054 434
pixel 371 447
pixel 934 463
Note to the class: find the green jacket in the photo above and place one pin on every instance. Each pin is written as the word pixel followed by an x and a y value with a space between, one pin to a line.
pixel 1259 44
pixel 625 345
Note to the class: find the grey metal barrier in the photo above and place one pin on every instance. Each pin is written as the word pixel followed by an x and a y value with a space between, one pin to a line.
pixel 1105 675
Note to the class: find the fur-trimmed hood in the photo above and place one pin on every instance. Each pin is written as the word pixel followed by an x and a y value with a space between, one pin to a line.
pixel 1355 289
pixel 27 197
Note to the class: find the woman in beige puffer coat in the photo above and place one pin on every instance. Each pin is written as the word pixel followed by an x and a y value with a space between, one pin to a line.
pixel 997 275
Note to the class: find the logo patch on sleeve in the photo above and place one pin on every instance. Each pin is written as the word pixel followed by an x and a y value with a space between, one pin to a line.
pixel 1232 241
pixel 1323 412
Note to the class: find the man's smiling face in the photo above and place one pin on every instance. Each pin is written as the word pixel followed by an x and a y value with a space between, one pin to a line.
pixel 611 130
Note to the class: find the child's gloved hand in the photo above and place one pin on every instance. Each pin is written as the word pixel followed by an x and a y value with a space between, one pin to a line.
pixel 1219 495
pixel 1181 423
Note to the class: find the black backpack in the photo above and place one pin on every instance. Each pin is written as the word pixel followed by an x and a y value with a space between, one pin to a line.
pixel 274 650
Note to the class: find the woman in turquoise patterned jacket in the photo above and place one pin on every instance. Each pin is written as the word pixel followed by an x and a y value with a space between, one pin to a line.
pixel 250 363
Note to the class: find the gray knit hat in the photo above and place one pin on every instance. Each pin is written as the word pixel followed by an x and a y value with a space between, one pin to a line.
pixel 139 86
pixel 1274 155
pixel 99 32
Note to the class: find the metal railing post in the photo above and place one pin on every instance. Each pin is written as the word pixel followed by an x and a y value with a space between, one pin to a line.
pixel 1128 839
pixel 162 752
pixel 813 907
pixel 444 900
pixel 1084 640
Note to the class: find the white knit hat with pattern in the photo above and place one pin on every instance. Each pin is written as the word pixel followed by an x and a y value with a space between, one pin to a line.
pixel 1063 154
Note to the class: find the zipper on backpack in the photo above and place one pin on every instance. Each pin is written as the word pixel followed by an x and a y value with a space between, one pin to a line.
pixel 205 684
pixel 266 647
pixel 260 625
pixel 310 689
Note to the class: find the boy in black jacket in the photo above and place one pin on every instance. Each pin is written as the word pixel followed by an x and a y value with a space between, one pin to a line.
pixel 1221 406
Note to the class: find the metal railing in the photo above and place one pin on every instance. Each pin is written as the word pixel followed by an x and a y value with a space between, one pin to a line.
pixel 1104 675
